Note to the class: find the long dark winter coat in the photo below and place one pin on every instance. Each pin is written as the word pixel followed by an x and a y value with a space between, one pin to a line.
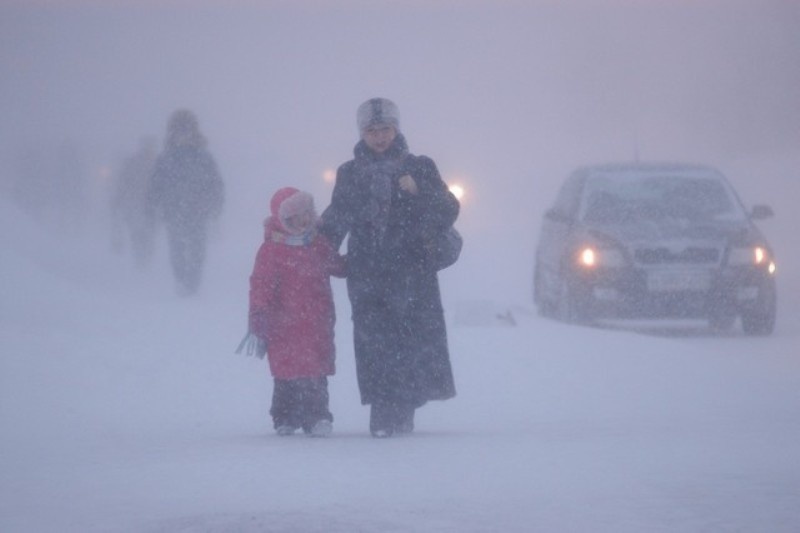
pixel 186 187
pixel 399 328
pixel 187 191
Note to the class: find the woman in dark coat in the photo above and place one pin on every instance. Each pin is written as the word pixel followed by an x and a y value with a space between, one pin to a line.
pixel 393 205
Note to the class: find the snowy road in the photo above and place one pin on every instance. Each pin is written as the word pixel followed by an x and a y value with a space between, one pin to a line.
pixel 137 417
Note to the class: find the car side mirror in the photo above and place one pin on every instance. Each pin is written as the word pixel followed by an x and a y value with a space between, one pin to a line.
pixel 761 212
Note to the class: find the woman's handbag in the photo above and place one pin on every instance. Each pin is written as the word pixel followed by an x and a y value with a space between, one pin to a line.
pixel 446 248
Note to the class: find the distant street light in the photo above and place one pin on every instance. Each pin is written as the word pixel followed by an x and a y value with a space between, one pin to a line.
pixel 457 190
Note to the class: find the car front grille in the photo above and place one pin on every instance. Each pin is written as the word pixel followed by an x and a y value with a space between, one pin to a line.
pixel 691 255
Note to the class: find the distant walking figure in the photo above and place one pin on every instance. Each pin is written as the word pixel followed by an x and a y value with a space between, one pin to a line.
pixel 187 192
pixel 130 216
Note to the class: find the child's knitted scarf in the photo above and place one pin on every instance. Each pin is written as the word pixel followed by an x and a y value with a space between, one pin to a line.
pixel 304 239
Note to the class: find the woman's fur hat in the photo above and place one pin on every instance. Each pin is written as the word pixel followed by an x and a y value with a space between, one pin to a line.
pixel 377 111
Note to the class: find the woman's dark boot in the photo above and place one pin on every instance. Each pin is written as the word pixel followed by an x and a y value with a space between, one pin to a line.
pixel 404 420
pixel 380 421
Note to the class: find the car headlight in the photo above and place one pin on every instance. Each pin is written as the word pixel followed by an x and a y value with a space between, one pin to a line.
pixel 592 256
pixel 753 255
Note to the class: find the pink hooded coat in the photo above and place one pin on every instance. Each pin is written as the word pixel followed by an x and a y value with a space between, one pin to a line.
pixel 291 302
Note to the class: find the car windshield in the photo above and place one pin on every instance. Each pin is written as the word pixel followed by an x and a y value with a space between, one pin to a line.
pixel 624 199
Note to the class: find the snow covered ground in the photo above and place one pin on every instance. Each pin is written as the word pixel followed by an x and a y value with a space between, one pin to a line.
pixel 123 408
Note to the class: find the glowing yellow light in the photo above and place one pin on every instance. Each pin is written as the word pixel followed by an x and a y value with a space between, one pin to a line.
pixel 771 268
pixel 759 255
pixel 329 175
pixel 588 257
pixel 457 190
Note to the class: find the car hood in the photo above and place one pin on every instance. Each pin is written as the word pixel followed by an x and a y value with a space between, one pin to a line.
pixel 672 232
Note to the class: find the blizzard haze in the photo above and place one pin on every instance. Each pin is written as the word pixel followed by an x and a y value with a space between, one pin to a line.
pixel 505 96
pixel 123 408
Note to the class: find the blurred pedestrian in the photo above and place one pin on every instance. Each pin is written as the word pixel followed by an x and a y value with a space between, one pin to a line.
pixel 292 312
pixel 132 221
pixel 187 192
pixel 394 206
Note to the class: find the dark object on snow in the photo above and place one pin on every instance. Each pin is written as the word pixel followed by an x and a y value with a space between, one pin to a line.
pixel 507 318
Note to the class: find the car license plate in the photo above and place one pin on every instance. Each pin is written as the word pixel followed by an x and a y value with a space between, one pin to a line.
pixel 678 280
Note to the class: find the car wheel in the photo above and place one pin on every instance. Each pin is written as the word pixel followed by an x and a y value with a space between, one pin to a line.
pixel 761 320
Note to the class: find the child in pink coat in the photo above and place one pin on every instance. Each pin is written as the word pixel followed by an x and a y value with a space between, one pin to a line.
pixel 291 310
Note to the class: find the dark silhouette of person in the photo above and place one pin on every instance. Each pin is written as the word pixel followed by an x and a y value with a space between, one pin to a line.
pixel 186 192
pixel 132 220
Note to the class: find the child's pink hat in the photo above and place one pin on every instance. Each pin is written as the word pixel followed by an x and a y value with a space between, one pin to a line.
pixel 288 201
pixel 278 198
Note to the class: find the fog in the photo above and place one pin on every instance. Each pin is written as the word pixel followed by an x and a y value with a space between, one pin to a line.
pixel 507 97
